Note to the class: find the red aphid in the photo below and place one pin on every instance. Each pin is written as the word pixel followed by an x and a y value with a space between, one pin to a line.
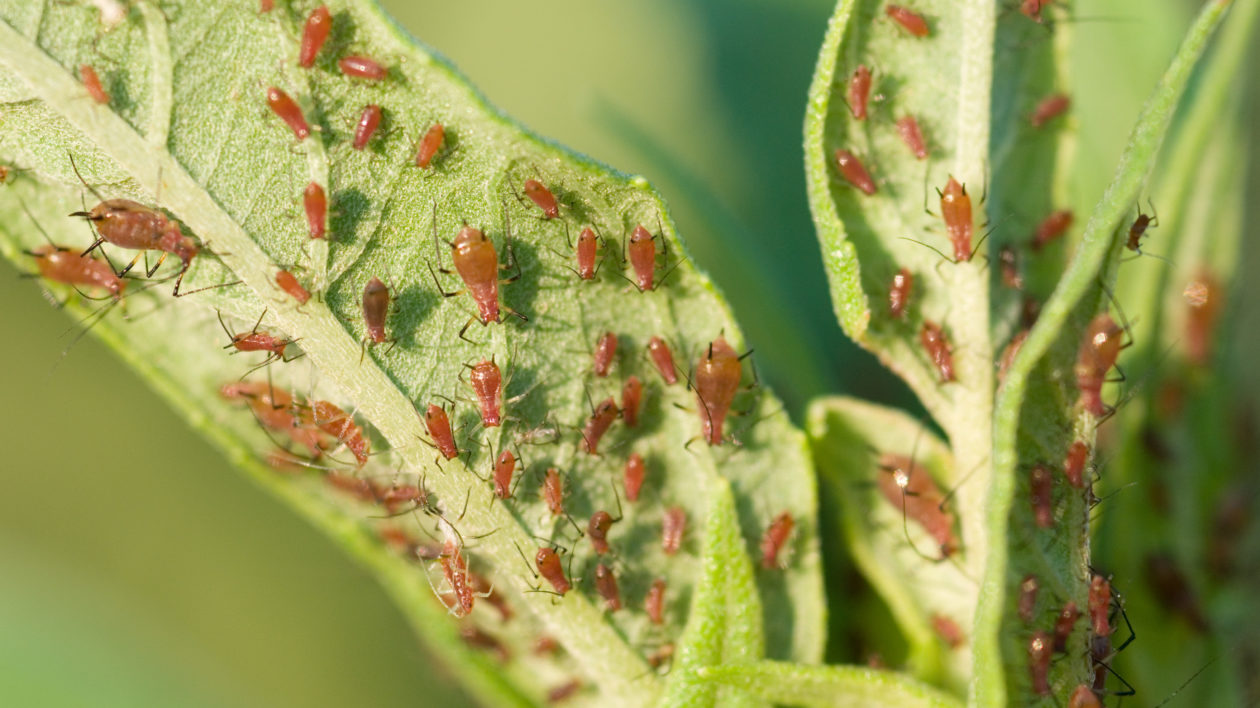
pixel 1032 8
pixel 775 537
pixel 899 293
pixel 601 522
pixel 1051 228
pixel 504 469
pixel 92 82
pixel 717 378
pixel 275 410
pixel 477 263
pixel 948 630
pixel 663 358
pixel 1074 464
pixel 909 487
pixel 376 301
pixel 289 284
pixel 632 480
pixel 400 494
pixel 643 257
pixel 853 171
pixel 361 67
pixel 429 145
pixel 605 350
pixel 912 136
pixel 564 691
pixel 455 570
pixel 654 603
pixel 1204 298
pixel 1064 624
pixel 339 424
pixel 956 212
pixel 1009 260
pixel 289 112
pixel 1027 603
pixel 1041 494
pixel 631 398
pixel 369 121
pixel 265 6
pixel 314 34
pixel 1009 353
pixel 673 526
pixel 606 586
pixel 1083 696
pixel 316 210
pixel 553 491
pixel 1098 354
pixel 909 20
pixel 859 91
pixel 1040 651
pixel 1100 606
pixel 586 253
pixel 542 198
pixel 938 349
pixel 548 562
pixel 439 427
pixel 1049 108
pixel 255 341
pixel 67 266
pixel 599 422
pixel 487 384
pixel 545 645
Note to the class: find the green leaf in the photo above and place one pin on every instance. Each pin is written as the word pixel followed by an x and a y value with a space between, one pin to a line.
pixel 188 130
pixel 826 686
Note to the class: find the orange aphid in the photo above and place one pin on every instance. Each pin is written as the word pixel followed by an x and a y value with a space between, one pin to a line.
pixel 775 537
pixel 854 172
pixel 548 562
pixel 429 145
pixel 439 427
pixel 542 198
pixel 67 266
pixel 316 205
pixel 1098 354
pixel 477 263
pixel 909 20
pixel 92 82
pixel 956 212
pixel 289 283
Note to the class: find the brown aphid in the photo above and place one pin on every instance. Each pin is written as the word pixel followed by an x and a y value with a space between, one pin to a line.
pixel 718 373
pixel 1009 353
pixel 673 526
pixel 1052 228
pixel 439 426
pixel 606 586
pixel 599 422
pixel 287 282
pixel 564 691
pixel 631 399
pixel 654 603
pixel 1204 298
pixel 586 252
pixel 455 570
pixel 1138 229
pixel 1041 493
pixel 542 198
pixel 478 638
pixel 339 424
pixel 361 67
pixel 1039 653
pixel 1009 262
pixel 775 538
pixel 1074 464
pixel 948 630
pixel 316 204
pixel 663 359
pixel 314 34
pixel 909 487
pixel 662 656
pixel 859 91
pixel 909 20
pixel 1027 602
pixel 553 491
pixel 938 349
pixel 288 111
pixel 899 293
pixel 369 121
pixel 504 469
pixel 487 385
pixel 605 351
pixel 600 524
pixel 1082 696
pixel 548 562
pixel 376 301
pixel 92 82
pixel 1098 354
pixel 956 213
pixel 854 172
pixel 1064 624
pixel 912 136
pixel 642 251
pixel 429 145
pixel 69 267
pixel 1049 108
pixel 632 479
pixel 1172 589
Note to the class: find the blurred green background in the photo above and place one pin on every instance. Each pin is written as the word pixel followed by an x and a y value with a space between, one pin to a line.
pixel 137 569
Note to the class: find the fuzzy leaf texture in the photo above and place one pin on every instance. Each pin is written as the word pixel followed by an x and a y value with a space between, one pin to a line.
pixel 977 85
pixel 186 128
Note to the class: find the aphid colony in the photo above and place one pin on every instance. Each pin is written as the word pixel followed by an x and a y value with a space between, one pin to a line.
pixel 308 432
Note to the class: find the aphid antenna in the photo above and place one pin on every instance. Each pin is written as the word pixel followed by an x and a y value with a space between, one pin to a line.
pixel 1182 687
pixel 950 494
pixel 89 187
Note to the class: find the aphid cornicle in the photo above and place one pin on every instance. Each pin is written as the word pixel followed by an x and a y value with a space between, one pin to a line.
pixel 69 267
pixel 361 67
pixel 775 537
pixel 599 422
pixel 314 34
pixel 92 82
pixel 642 250
pixel 910 488
pixel 673 526
pixel 909 20
pixel 654 603
pixel 859 91
pixel 717 377
pixel 439 427
pixel 912 136
pixel 899 293
pixel 1074 464
pixel 1041 494
pixel 504 469
pixel 1049 108
pixel 1051 228
pixel 542 198
pixel 548 562
pixel 597 529
pixel 956 212
pixel 632 478
pixel 376 301
pixel 288 111
pixel 605 350
pixel 316 205
pixel 631 398
pixel 1039 654
pixel 287 282
pixel 854 172
pixel 663 359
pixel 606 586
pixel 938 349
pixel 429 145
pixel 1098 354
pixel 369 121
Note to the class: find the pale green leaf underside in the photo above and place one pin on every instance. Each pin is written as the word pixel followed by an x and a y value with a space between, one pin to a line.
pixel 233 174
pixel 827 686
